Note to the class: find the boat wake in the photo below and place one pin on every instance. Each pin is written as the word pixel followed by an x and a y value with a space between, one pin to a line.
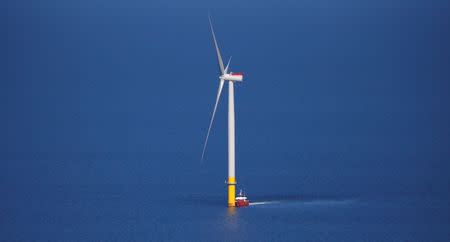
pixel 262 203
pixel 306 203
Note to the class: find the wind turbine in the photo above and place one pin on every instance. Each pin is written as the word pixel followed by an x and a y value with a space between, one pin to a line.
pixel 231 78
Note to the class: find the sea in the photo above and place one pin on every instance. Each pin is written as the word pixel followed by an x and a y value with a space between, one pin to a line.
pixel 176 198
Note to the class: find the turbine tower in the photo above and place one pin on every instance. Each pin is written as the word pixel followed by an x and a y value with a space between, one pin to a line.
pixel 231 78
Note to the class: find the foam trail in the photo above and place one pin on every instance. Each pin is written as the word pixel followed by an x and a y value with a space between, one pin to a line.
pixel 266 202
pixel 307 203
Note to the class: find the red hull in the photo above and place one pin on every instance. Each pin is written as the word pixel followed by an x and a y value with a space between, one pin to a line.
pixel 242 203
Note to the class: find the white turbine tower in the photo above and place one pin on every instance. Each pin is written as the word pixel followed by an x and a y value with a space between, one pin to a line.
pixel 231 78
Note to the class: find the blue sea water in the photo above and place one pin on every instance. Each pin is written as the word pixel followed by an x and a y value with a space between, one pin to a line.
pixel 168 200
pixel 341 121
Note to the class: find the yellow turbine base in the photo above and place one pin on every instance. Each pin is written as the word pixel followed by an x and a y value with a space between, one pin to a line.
pixel 231 192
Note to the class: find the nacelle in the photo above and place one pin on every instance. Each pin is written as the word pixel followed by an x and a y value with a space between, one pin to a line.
pixel 236 77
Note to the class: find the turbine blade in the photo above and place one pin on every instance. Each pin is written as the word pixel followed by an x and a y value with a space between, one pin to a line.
pixel 212 118
pixel 226 68
pixel 219 58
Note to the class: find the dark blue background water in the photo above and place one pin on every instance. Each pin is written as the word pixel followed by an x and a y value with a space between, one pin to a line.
pixel 342 121
pixel 181 202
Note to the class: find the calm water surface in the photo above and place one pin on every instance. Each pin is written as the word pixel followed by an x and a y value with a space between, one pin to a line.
pixel 144 212
pixel 80 200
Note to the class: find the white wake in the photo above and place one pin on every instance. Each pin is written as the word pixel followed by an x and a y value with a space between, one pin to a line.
pixel 266 202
